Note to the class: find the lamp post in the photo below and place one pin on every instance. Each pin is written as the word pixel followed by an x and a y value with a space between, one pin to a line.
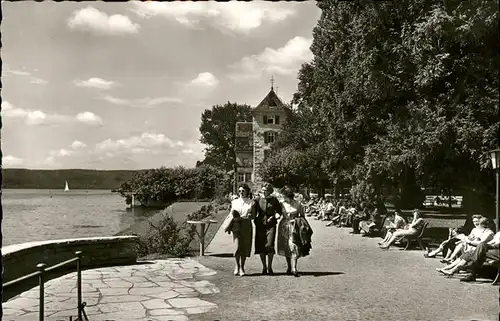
pixel 495 162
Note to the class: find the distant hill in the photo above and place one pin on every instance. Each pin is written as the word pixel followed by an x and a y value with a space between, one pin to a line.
pixel 55 179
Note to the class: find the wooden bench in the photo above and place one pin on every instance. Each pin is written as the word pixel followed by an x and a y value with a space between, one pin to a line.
pixel 415 237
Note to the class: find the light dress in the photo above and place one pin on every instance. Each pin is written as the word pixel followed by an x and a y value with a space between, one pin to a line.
pixel 286 226
pixel 242 228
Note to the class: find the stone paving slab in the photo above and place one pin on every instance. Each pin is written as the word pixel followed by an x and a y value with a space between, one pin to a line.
pixel 157 290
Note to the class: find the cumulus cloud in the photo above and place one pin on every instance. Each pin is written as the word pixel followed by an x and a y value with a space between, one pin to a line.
pixel 38 117
pixel 143 143
pixel 78 144
pixel 31 117
pixel 26 75
pixel 61 153
pixel 98 83
pixel 89 118
pixel 11 161
pixel 236 16
pixel 131 152
pixel 93 20
pixel 285 60
pixel 146 102
pixel 205 79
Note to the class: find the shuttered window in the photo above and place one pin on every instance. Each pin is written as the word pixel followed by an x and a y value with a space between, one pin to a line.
pixel 269 137
pixel 264 119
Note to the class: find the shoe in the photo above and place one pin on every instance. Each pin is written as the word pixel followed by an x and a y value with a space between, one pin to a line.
pixel 264 271
pixel 468 278
pixel 271 272
pixel 242 272
pixel 296 274
pixel 289 271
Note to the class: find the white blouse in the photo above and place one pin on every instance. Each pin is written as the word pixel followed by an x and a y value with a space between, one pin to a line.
pixel 242 206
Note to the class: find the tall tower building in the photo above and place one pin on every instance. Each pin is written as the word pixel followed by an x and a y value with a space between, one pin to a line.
pixel 254 140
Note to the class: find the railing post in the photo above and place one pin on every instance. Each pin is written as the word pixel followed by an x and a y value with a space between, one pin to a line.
pixel 41 282
pixel 79 282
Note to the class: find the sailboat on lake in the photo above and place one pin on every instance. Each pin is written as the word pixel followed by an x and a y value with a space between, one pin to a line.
pixel 66 188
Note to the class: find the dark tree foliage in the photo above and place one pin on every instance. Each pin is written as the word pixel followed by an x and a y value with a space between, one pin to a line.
pixel 162 186
pixel 402 95
pixel 218 133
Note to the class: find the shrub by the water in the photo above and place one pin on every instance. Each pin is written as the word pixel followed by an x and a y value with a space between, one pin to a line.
pixel 166 237
pixel 171 238
pixel 158 187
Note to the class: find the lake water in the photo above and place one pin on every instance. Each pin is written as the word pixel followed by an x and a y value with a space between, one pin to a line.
pixel 38 215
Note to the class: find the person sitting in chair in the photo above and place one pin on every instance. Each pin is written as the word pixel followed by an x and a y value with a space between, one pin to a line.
pixel 412 229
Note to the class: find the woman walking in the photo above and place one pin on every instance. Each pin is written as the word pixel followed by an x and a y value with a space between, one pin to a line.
pixel 294 233
pixel 243 210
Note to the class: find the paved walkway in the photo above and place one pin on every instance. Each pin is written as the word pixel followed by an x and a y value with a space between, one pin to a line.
pixel 346 277
pixel 155 291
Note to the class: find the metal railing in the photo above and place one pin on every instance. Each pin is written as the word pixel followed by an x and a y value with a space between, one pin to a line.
pixel 42 270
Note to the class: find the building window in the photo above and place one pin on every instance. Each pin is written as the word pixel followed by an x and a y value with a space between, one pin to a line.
pixel 269 137
pixel 248 177
pixel 246 162
pixel 241 177
pixel 275 119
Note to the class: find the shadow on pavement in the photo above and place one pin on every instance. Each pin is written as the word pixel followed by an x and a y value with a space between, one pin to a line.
pixel 221 254
pixel 316 274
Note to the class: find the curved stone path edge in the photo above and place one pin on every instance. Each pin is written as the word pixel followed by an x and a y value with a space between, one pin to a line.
pixel 156 290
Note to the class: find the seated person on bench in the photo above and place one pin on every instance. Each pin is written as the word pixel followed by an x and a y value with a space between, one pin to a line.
pixel 478 233
pixel 411 229
pixel 398 222
pixel 473 260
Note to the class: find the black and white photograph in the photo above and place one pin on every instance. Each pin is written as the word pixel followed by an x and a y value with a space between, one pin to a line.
pixel 250 160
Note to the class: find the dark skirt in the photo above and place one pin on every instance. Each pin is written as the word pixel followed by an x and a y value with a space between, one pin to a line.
pixel 264 239
pixel 244 233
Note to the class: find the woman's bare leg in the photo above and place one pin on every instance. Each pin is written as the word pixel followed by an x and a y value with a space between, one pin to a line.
pixel 242 265
pixel 263 260
pixel 386 238
pixel 294 264
pixel 457 250
pixel 236 244
pixel 288 264
pixel 439 249
pixel 397 234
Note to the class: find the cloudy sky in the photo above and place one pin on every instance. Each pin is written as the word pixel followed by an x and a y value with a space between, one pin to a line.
pixel 123 85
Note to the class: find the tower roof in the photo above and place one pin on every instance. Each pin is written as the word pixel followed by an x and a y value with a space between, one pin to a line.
pixel 270 101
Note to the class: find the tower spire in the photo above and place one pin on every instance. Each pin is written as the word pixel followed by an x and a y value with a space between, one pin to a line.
pixel 272 82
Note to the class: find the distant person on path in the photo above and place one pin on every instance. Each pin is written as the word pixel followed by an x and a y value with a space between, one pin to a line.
pixel 294 232
pixel 242 211
pixel 269 210
pixel 412 229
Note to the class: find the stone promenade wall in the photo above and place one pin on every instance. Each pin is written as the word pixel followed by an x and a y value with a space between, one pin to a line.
pixel 21 259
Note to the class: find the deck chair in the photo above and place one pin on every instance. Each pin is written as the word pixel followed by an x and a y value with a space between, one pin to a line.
pixel 416 237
